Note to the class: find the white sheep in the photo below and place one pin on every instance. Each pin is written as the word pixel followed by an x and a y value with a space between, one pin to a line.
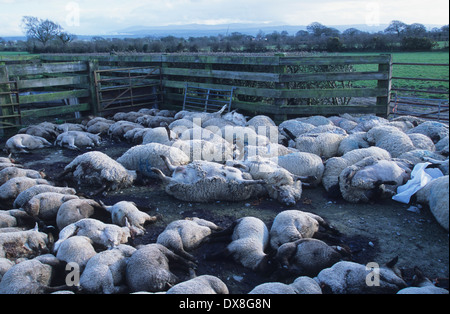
pixel 303 165
pixel 74 210
pixel 78 139
pixel 235 117
pixel 29 244
pixel 105 271
pixel 204 181
pixel 421 141
pixel 118 129
pixel 372 178
pixel 100 127
pixel 325 145
pixel 46 130
pixel 436 195
pixel 128 116
pixel 334 166
pixel 15 218
pixel 159 135
pixel 308 256
pixel 144 157
pixel 14 172
pixel 205 284
pixel 5 265
pixel 149 121
pixel 185 235
pixel 22 143
pixel 264 125
pixel 31 277
pixel 353 141
pixel 97 169
pixel 436 131
pixel 11 189
pixel 280 183
pixel 301 285
pixel 124 211
pixel 149 268
pixel 106 235
pixel 292 225
pixel 249 240
pixel 45 206
pixel 391 139
pixel 422 285
pixel 352 278
pixel 76 249
pixel 67 127
pixel 28 194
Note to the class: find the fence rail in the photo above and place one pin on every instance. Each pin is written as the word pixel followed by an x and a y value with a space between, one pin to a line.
pixel 276 85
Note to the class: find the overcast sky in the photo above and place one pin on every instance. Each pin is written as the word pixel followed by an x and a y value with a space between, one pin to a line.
pixel 87 17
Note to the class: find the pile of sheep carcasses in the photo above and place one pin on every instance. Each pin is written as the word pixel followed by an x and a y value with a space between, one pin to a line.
pixel 47 230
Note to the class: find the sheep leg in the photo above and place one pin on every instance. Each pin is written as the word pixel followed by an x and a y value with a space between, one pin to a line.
pixel 223 235
pixel 169 165
pixel 99 191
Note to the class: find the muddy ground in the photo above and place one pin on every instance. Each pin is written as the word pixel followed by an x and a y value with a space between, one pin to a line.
pixel 374 232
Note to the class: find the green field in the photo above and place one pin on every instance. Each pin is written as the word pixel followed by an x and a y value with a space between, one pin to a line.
pixel 415 71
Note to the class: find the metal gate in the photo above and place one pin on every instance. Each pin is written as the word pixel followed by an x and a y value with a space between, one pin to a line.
pixel 128 87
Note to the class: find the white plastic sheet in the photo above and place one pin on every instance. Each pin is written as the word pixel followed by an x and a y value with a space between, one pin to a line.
pixel 420 176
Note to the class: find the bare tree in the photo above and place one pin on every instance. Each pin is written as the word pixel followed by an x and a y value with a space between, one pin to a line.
pixel 396 27
pixel 40 30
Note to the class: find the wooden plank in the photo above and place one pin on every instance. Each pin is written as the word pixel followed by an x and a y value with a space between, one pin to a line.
pixel 333 76
pixel 57 81
pixel 43 112
pixel 232 75
pixel 40 68
pixel 54 96
pixel 288 93
pixel 335 60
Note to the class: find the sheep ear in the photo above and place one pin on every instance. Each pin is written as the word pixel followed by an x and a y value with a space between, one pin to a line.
pixel 36 227
pixel 392 262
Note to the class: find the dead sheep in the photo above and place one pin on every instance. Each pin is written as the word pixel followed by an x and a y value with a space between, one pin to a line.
pixel 391 139
pixel 244 136
pixel 204 181
pixel 117 130
pixel 128 116
pixel 182 236
pixel 352 278
pixel 76 140
pixel 46 130
pixel 436 131
pixel 123 212
pixel 436 195
pixel 181 125
pixel 74 210
pixel 100 127
pixel 31 277
pixel 105 272
pixel 28 194
pixel 11 189
pixel 324 145
pixel 76 249
pixel 28 244
pixel 149 121
pixel 334 166
pixel 102 234
pixel 159 135
pixel 302 164
pixel 280 183
pixel 442 146
pixel 136 136
pixel 301 285
pixel 293 225
pixel 294 128
pixel 144 157
pixel 22 143
pixel 14 172
pixel 264 125
pixel 204 284
pixel 421 141
pixel 235 118
pixel 205 150
pixel 45 206
pixel 372 178
pixel 16 218
pixel 353 141
pixel 307 257
pixel 199 117
pixel 268 151
pixel 422 285
pixel 97 169
pixel 249 240
pixel 67 127
pixel 5 265
pixel 150 268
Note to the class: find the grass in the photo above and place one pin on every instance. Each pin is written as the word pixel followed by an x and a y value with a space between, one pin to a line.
pixel 414 71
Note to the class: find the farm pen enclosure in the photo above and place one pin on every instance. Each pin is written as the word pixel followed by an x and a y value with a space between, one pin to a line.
pixel 65 88
pixel 278 86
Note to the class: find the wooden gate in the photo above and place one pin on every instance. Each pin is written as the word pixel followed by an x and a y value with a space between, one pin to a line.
pixel 121 88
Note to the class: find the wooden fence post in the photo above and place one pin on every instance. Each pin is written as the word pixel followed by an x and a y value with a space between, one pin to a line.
pixel 5 99
pixel 384 101
pixel 280 102
pixel 92 67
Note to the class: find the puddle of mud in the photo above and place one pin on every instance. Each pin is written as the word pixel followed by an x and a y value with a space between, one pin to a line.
pixel 374 232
